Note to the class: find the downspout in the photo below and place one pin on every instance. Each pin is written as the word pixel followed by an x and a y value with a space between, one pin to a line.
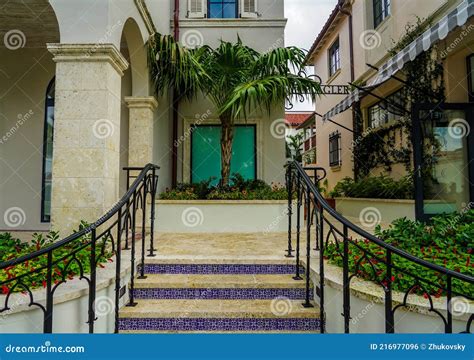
pixel 351 39
pixel 355 111
pixel 175 103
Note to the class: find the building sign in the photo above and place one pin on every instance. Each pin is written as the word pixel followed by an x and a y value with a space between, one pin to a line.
pixel 335 89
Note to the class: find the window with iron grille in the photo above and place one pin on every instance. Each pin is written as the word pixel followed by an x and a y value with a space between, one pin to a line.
pixel 381 11
pixel 335 149
pixel 387 110
pixel 334 58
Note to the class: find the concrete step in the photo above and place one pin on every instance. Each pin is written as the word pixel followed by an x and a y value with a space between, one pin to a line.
pixel 279 314
pixel 227 286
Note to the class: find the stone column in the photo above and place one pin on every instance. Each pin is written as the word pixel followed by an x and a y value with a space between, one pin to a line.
pixel 86 161
pixel 140 145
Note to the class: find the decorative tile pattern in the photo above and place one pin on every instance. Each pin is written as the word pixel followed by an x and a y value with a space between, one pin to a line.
pixel 220 269
pixel 221 293
pixel 209 324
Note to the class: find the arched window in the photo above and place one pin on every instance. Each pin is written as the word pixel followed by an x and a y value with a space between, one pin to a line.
pixel 47 153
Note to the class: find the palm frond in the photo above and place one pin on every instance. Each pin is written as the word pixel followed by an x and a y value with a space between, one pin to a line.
pixel 269 91
pixel 172 66
pixel 279 61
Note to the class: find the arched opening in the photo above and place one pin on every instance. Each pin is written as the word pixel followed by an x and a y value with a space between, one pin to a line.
pixel 26 70
pixel 134 83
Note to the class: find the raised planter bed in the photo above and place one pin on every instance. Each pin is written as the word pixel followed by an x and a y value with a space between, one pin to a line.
pixel 367 307
pixel 203 216
pixel 386 210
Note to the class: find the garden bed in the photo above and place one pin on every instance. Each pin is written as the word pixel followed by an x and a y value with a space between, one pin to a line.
pixel 447 241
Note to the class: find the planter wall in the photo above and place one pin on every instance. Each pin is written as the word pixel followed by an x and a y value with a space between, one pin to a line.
pixel 367 308
pixel 201 216
pixel 70 309
pixel 369 211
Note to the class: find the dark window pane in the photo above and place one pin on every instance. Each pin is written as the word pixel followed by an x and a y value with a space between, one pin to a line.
pixel 47 154
pixel 471 77
pixel 381 11
pixel 229 11
pixel 386 111
pixel 215 11
pixel 219 9
pixel 334 58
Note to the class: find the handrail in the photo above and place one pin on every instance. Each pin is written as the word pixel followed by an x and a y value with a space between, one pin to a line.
pixel 373 238
pixel 381 262
pixel 88 229
pixel 97 247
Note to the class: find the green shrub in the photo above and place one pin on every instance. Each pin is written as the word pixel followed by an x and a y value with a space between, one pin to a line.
pixel 239 189
pixel 11 248
pixel 447 241
pixel 378 187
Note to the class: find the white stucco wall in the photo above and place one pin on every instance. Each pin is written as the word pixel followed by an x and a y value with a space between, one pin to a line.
pixel 211 216
pixel 25 75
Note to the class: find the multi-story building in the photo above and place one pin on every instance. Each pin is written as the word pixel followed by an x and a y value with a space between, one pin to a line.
pixel 362 36
pixel 77 105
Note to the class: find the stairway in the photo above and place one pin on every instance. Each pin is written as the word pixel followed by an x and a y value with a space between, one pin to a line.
pixel 219 297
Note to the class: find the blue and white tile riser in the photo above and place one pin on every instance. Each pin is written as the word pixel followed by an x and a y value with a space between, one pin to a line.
pixel 221 293
pixel 221 269
pixel 220 324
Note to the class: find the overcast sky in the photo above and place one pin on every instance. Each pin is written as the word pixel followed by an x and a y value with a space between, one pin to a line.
pixel 306 18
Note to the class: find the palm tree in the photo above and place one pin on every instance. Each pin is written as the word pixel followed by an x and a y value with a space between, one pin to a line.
pixel 236 78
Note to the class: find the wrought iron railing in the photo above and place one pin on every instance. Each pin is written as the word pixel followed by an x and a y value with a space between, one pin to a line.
pixel 332 228
pixel 85 250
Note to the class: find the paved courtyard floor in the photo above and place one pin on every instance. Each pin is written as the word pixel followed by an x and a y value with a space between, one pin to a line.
pixel 224 246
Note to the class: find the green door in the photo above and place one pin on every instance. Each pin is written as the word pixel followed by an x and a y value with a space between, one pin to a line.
pixel 206 153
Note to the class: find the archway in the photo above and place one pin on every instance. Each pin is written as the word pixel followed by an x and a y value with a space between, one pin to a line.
pixel 136 122
pixel 26 70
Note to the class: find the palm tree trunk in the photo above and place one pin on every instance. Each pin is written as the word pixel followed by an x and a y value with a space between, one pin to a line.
pixel 227 138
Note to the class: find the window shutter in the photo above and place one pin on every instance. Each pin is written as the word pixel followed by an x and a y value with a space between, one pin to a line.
pixel 196 8
pixel 248 8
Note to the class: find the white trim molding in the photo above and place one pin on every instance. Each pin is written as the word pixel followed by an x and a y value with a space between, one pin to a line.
pixel 232 23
